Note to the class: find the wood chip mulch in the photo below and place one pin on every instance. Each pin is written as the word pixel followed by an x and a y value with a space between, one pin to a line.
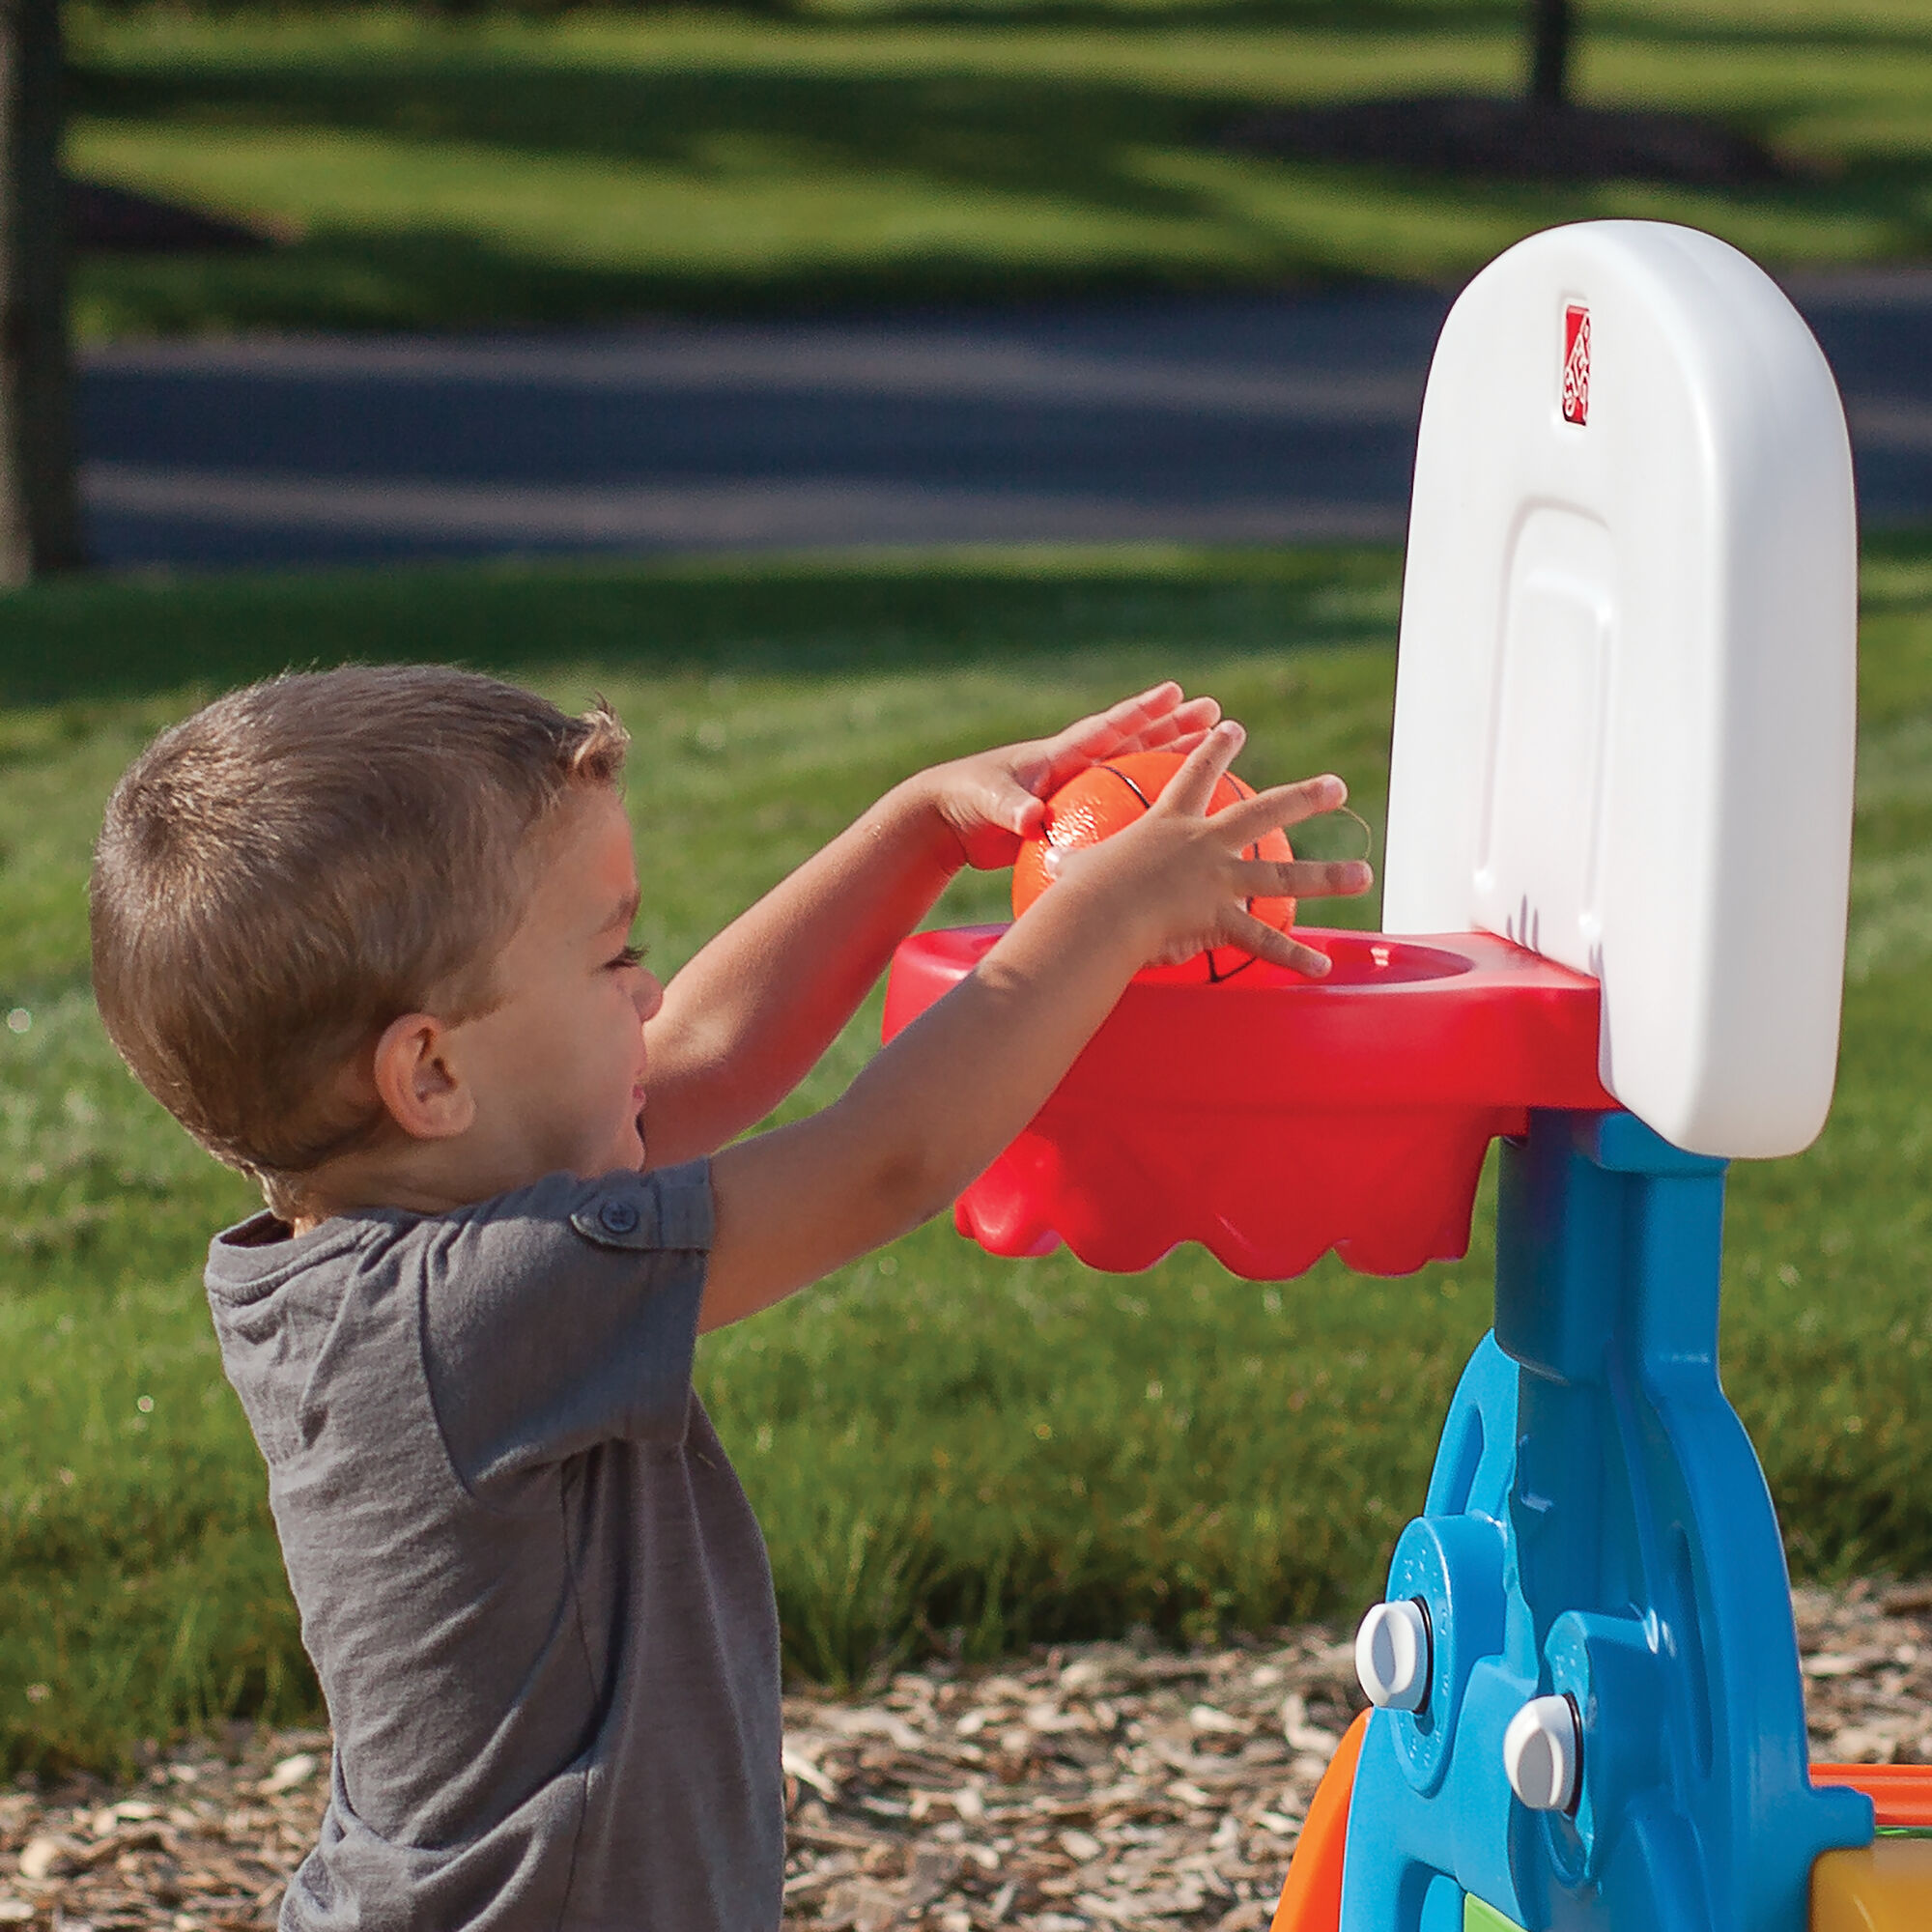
pixel 1091 1787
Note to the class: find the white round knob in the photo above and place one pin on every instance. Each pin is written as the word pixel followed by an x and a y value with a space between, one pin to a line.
pixel 1392 1657
pixel 1541 1750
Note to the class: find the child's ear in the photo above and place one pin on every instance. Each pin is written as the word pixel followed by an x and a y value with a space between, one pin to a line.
pixel 416 1082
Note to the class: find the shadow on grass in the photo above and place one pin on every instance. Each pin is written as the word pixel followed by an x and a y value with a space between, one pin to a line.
pixel 86 640
pixel 83 639
pixel 969 125
pixel 1442 19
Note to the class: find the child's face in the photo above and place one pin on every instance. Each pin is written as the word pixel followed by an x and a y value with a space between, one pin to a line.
pixel 556 1067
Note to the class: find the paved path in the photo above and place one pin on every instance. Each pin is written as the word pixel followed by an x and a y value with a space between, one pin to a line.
pixel 1228 419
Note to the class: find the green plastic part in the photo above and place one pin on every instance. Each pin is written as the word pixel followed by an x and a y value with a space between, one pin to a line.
pixel 1480 1918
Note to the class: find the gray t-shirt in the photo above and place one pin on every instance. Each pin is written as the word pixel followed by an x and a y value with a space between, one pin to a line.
pixel 535 1595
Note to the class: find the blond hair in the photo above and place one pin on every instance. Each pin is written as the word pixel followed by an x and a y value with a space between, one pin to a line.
pixel 303 861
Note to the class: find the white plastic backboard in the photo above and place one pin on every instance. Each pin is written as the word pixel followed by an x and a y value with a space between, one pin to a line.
pixel 1626 688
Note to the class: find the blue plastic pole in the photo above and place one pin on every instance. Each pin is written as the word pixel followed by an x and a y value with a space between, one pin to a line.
pixel 1598 1529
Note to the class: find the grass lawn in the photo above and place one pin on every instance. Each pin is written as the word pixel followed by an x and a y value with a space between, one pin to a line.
pixel 508 170
pixel 944 1449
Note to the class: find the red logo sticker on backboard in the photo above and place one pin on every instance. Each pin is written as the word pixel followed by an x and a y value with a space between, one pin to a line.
pixel 1576 364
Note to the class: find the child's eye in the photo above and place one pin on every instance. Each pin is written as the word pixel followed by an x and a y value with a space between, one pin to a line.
pixel 631 955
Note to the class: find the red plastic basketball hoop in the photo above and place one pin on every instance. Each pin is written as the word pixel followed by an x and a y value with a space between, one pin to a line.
pixel 1274 1117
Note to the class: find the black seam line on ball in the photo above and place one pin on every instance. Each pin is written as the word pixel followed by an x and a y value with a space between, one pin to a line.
pixel 1217 978
pixel 1147 804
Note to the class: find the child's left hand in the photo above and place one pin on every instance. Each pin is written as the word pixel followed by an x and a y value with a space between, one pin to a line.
pixel 994 799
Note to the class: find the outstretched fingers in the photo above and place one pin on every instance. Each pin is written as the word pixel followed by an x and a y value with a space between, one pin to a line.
pixel 1282 805
pixel 1106 731
pixel 1304 878
pixel 1157 719
pixel 1265 941
pixel 1180 730
pixel 1191 788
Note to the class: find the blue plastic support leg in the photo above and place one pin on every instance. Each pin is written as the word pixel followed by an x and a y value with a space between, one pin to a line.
pixel 1597 1527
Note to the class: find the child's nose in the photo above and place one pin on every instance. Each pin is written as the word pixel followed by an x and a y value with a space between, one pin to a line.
pixel 650 995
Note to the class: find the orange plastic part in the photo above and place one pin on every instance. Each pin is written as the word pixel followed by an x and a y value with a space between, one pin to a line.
pixel 1310 1901
pixel 1901 1794
pixel 1272 1117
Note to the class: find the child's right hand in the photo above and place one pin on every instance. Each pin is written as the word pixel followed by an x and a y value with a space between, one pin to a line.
pixel 1176 875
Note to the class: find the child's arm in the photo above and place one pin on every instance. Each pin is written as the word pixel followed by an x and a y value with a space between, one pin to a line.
pixel 747 1019
pixel 938 1104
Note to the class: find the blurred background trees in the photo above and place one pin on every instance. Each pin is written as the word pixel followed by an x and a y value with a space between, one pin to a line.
pixel 1549 52
pixel 40 512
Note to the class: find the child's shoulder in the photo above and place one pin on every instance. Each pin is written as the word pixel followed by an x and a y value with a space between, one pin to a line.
pixel 659 1208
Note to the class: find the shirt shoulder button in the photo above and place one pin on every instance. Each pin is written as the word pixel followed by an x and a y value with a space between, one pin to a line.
pixel 620 1217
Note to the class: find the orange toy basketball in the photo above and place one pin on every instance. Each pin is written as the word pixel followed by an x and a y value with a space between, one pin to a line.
pixel 1105 797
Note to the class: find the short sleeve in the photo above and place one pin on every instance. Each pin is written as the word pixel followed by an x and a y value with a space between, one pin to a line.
pixel 565 1315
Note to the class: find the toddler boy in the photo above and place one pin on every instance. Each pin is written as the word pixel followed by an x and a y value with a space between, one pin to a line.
pixel 367 934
